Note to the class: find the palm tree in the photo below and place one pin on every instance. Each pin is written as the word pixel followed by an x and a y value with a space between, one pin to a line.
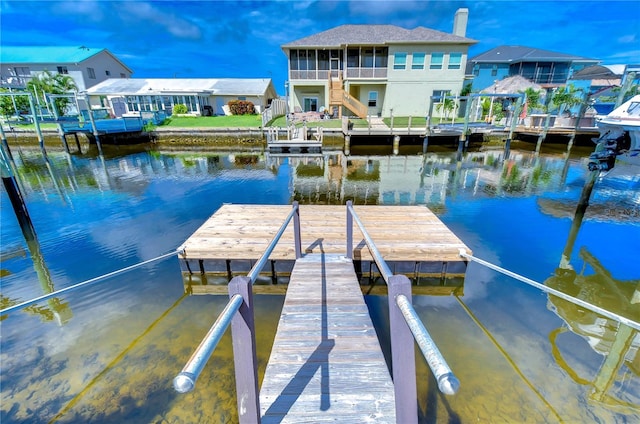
pixel 567 97
pixel 448 105
pixel 49 83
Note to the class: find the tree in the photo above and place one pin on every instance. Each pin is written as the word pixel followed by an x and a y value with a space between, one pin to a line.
pixel 448 105
pixel 567 97
pixel 8 105
pixel 532 98
pixel 49 83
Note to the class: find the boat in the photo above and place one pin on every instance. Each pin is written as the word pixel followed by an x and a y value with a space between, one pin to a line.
pixel 619 137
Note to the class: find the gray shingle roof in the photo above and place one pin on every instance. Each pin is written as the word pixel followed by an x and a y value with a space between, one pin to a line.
pixel 595 72
pixel 506 54
pixel 375 35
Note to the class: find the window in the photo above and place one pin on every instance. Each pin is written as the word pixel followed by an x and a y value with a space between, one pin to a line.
pixel 455 59
pixel 476 69
pixel 122 75
pixel 107 73
pixel 439 95
pixel 373 98
pixel 63 70
pixel 92 73
pixel 417 61
pixel 436 60
pixel 22 71
pixel 400 61
pixel 494 70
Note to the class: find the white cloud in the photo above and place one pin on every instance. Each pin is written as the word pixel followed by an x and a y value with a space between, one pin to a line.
pixel 143 13
pixel 630 38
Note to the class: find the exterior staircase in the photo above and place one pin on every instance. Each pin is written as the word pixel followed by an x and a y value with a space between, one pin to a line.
pixel 339 97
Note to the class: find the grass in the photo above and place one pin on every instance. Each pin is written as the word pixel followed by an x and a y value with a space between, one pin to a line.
pixel 233 121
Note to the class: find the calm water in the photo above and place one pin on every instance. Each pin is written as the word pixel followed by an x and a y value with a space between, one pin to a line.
pixel 108 353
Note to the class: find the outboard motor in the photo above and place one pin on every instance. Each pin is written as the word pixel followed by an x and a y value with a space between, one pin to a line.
pixel 604 157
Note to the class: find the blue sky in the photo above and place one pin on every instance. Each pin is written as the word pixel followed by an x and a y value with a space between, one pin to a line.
pixel 220 39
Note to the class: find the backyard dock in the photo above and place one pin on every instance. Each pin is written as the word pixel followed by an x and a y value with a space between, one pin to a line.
pixel 411 239
pixel 326 363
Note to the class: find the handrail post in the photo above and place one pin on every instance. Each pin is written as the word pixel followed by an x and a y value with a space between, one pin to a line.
pixel 244 352
pixel 349 231
pixel 296 230
pixel 403 360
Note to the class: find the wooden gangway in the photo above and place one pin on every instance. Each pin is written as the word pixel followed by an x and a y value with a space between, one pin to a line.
pixel 326 363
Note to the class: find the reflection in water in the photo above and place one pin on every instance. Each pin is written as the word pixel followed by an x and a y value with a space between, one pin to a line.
pixel 115 360
pixel 616 341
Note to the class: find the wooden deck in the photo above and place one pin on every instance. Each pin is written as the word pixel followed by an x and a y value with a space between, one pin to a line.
pixel 326 364
pixel 401 233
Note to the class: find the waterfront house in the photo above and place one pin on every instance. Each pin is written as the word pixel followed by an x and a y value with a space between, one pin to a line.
pixel 201 96
pixel 383 70
pixel 87 66
pixel 547 68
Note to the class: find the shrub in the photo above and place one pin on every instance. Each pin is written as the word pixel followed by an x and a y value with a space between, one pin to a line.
pixel 241 107
pixel 180 109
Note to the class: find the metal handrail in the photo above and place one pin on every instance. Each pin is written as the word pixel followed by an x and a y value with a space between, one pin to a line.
pixel 385 271
pixel 295 213
pixel 619 318
pixel 185 381
pixel 447 381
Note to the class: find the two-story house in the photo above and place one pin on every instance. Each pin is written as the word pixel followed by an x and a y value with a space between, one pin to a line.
pixel 547 68
pixel 87 66
pixel 378 70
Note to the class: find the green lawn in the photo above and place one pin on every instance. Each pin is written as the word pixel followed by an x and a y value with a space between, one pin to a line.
pixel 232 121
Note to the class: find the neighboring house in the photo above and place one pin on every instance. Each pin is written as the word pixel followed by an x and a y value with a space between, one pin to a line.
pixel 87 66
pixel 201 96
pixel 549 69
pixel 376 69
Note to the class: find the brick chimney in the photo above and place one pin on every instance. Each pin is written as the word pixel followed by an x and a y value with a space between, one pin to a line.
pixel 460 22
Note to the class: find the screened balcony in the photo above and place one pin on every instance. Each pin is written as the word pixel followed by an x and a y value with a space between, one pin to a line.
pixel 362 62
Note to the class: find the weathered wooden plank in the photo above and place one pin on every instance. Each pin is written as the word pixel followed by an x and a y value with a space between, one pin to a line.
pixel 326 363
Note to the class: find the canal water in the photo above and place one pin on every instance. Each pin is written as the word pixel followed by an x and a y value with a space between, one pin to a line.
pixel 107 353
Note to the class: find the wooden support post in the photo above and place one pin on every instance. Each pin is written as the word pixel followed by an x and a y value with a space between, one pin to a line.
pixel 347 144
pixel 396 144
pixel 244 353
pixel 77 142
pixel 403 360
pixel 349 231
pixel 425 144
pixel 63 137
pixel 296 231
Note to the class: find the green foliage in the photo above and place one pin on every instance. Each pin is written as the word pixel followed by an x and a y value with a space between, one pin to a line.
pixel 179 109
pixel 49 83
pixel 466 90
pixel 567 97
pixel 6 104
pixel 242 107
pixel 448 105
pixel 532 98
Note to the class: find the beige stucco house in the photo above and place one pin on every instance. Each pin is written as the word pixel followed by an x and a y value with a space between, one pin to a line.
pixel 369 70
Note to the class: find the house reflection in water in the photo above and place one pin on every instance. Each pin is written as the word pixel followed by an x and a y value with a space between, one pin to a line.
pixel 333 178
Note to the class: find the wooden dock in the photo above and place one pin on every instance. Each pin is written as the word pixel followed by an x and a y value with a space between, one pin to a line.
pixel 411 239
pixel 326 364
